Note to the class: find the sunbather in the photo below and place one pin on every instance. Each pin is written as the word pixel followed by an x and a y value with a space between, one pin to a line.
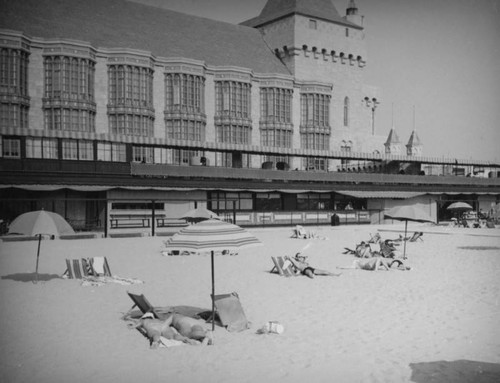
pixel 377 263
pixel 176 327
pixel 300 266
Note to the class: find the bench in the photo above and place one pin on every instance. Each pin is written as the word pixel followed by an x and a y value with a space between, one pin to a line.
pixel 130 222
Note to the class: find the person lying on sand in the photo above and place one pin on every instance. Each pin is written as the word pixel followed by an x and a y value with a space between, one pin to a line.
pixel 300 266
pixel 176 327
pixel 378 263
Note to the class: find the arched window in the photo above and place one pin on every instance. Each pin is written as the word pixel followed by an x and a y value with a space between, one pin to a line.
pixel 346 111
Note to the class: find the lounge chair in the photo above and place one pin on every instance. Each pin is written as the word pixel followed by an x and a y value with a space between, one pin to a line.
pixel 145 307
pixel 142 304
pixel 230 312
pixel 416 236
pixel 73 270
pixel 90 267
pixel 100 266
pixel 282 266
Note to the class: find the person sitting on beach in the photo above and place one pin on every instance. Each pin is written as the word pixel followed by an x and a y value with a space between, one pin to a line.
pixel 300 266
pixel 377 263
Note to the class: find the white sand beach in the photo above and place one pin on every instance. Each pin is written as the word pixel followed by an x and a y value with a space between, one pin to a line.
pixel 438 322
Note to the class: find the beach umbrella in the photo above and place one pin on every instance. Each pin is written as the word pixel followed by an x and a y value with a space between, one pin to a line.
pixel 408 213
pixel 212 235
pixel 39 223
pixel 199 214
pixel 460 206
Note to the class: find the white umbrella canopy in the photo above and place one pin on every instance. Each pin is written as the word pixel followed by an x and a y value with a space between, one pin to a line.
pixel 39 223
pixel 212 235
pixel 463 206
pixel 408 213
pixel 199 214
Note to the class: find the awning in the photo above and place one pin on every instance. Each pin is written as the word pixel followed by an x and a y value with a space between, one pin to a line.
pixel 90 188
pixel 380 194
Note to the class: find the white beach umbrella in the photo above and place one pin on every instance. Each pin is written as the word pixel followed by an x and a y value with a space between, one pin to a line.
pixel 39 223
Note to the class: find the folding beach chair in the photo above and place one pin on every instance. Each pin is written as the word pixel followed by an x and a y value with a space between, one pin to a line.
pixel 282 266
pixel 73 270
pixel 142 304
pixel 100 266
pixel 416 236
pixel 230 312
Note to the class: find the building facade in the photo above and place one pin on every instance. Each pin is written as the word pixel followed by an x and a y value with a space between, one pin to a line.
pixel 104 102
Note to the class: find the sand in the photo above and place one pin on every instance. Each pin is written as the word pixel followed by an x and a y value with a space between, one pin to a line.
pixel 438 322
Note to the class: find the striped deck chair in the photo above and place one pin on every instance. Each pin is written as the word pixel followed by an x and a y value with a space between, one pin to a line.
pixel 282 267
pixel 73 270
pixel 100 266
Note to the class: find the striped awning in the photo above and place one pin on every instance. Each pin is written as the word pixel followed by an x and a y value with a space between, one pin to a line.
pixel 380 194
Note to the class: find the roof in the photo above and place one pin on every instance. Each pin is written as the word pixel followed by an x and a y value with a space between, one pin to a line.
pixel 125 24
pixel 392 138
pixel 414 140
pixel 277 9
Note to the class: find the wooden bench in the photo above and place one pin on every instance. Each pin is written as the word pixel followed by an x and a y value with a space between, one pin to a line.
pixel 130 222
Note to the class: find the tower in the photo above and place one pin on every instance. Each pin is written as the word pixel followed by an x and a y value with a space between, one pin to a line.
pixel 393 144
pixel 352 13
pixel 414 145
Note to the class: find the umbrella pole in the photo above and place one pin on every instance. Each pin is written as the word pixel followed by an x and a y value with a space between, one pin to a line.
pixel 37 256
pixel 406 229
pixel 213 290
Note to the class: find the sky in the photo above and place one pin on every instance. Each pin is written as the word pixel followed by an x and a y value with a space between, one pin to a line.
pixel 437 63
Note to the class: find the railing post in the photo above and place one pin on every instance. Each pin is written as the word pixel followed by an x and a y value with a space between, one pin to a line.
pixel 153 218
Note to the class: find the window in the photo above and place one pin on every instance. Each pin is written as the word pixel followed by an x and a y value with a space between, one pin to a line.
pixel 313 24
pixel 14 105
pixel 276 117
pixel 130 107
pixel 222 201
pixel 232 115
pixel 346 111
pixel 183 157
pixel 11 147
pixel 77 150
pixel 69 79
pixel 314 201
pixel 267 201
pixel 41 148
pixel 144 154
pixel 185 107
pixel 86 150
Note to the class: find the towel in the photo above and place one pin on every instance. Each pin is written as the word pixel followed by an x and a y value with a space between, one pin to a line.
pixel 98 265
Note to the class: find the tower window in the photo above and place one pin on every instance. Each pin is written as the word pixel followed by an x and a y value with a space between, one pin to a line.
pixel 313 24
pixel 347 32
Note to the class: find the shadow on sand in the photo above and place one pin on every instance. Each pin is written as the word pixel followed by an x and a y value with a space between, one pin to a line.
pixel 31 277
pixel 457 371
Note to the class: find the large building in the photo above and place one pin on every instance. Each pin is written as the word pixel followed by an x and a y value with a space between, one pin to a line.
pixel 115 113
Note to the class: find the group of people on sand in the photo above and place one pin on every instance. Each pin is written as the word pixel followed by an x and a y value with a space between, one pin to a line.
pixel 385 259
pixel 301 266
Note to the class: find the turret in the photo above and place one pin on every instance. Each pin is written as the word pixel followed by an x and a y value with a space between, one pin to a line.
pixel 352 14
pixel 414 145
pixel 393 144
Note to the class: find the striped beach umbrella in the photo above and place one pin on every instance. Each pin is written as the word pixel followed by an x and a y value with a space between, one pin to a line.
pixel 212 235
